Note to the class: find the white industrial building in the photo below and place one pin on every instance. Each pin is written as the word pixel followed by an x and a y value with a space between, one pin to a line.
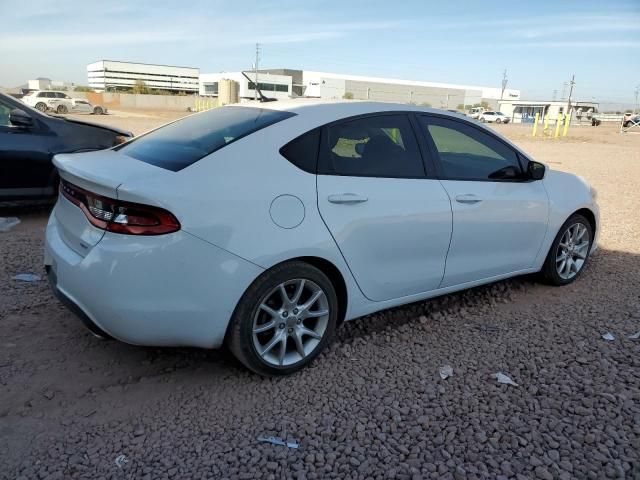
pixel 271 85
pixel 114 75
pixel 282 83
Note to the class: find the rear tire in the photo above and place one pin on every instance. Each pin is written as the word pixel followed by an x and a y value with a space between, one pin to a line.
pixel 62 109
pixel 271 335
pixel 569 252
pixel 98 111
pixel 41 106
pixel 498 120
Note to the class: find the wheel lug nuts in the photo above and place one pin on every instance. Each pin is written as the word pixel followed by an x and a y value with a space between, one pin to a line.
pixel 291 330
pixel 295 311
pixel 281 326
pixel 285 314
pixel 299 321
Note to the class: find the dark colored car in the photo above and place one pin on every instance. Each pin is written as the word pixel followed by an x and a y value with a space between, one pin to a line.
pixel 630 119
pixel 28 141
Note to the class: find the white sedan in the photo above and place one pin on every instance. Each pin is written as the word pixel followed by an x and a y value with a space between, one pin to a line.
pixel 266 226
pixel 490 117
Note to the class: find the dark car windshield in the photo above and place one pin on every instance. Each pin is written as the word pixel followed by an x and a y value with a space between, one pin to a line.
pixel 182 143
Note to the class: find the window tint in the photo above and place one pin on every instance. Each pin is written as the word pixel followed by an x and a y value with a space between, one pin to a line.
pixel 182 143
pixel 303 151
pixel 5 112
pixel 467 153
pixel 379 146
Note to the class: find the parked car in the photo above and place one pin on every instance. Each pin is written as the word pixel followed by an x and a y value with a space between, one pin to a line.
pixel 475 112
pixel 266 227
pixel 28 141
pixel 490 117
pixel 60 102
pixel 630 119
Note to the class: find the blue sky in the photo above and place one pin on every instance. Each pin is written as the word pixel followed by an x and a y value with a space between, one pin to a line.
pixel 540 43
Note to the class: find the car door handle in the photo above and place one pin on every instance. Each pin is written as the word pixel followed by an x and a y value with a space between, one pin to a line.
pixel 468 199
pixel 347 198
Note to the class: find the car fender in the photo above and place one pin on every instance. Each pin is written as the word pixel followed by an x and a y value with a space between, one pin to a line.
pixel 567 194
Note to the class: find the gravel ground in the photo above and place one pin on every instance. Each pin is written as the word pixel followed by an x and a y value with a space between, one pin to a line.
pixel 373 405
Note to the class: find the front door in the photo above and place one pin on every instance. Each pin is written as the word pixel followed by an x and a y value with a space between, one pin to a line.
pixel 25 157
pixel 499 218
pixel 391 222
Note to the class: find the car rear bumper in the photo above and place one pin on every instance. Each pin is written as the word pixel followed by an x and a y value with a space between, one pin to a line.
pixel 165 290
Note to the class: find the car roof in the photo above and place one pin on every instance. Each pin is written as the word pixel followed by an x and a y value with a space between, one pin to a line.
pixel 340 108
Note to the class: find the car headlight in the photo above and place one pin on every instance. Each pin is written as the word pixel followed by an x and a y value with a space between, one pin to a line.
pixel 594 193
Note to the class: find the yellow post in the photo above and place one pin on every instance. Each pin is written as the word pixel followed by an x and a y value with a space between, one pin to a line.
pixel 535 124
pixel 546 123
pixel 558 122
pixel 567 121
pixel 197 104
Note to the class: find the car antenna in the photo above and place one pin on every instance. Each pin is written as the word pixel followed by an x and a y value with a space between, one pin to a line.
pixel 262 97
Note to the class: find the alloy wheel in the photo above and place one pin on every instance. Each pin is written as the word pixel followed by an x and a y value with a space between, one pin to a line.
pixel 572 251
pixel 290 322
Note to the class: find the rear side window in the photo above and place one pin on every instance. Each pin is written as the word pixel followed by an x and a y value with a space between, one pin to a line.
pixel 183 143
pixel 376 146
pixel 303 151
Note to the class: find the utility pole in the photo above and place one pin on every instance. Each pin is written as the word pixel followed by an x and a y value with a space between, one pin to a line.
pixel 555 95
pixel 255 71
pixel 504 83
pixel 571 84
pixel 635 105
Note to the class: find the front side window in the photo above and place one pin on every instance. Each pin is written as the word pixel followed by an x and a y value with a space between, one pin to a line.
pixel 467 153
pixel 182 143
pixel 377 146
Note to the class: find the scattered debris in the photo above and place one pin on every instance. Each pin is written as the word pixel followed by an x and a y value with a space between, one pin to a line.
pixel 49 394
pixel 121 461
pixel 608 337
pixel 7 223
pixel 502 378
pixel 27 277
pixel 279 441
pixel 635 336
pixel 446 371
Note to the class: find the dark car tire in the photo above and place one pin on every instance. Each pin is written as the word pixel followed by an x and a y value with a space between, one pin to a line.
pixel 550 268
pixel 98 111
pixel 62 109
pixel 41 106
pixel 626 124
pixel 498 120
pixel 244 343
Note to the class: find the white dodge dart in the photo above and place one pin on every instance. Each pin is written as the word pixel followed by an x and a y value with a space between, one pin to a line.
pixel 266 226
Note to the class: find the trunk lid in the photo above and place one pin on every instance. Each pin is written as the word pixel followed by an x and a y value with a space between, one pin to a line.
pixel 101 173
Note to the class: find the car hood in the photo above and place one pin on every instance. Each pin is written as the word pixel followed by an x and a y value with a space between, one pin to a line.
pixel 119 131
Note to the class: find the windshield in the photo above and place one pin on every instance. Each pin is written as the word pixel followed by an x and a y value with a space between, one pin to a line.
pixel 182 143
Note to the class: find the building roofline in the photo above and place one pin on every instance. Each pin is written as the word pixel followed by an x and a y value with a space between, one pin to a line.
pixel 148 64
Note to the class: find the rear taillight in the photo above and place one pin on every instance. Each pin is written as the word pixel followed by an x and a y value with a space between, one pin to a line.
pixel 120 217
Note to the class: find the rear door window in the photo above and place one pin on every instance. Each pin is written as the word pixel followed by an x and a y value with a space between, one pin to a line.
pixel 372 146
pixel 182 143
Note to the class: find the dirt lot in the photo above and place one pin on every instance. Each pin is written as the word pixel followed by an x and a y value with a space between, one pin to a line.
pixel 373 405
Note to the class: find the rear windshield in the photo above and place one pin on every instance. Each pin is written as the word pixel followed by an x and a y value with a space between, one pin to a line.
pixel 182 143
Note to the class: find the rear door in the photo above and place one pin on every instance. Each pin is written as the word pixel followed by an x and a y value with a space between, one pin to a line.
pixel 499 218
pixel 25 156
pixel 391 221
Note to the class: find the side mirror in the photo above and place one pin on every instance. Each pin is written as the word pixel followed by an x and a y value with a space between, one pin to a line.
pixel 535 170
pixel 20 118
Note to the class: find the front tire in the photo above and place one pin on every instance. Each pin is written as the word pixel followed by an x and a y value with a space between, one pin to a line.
pixel 41 106
pixel 284 320
pixel 498 120
pixel 98 111
pixel 569 252
pixel 62 109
